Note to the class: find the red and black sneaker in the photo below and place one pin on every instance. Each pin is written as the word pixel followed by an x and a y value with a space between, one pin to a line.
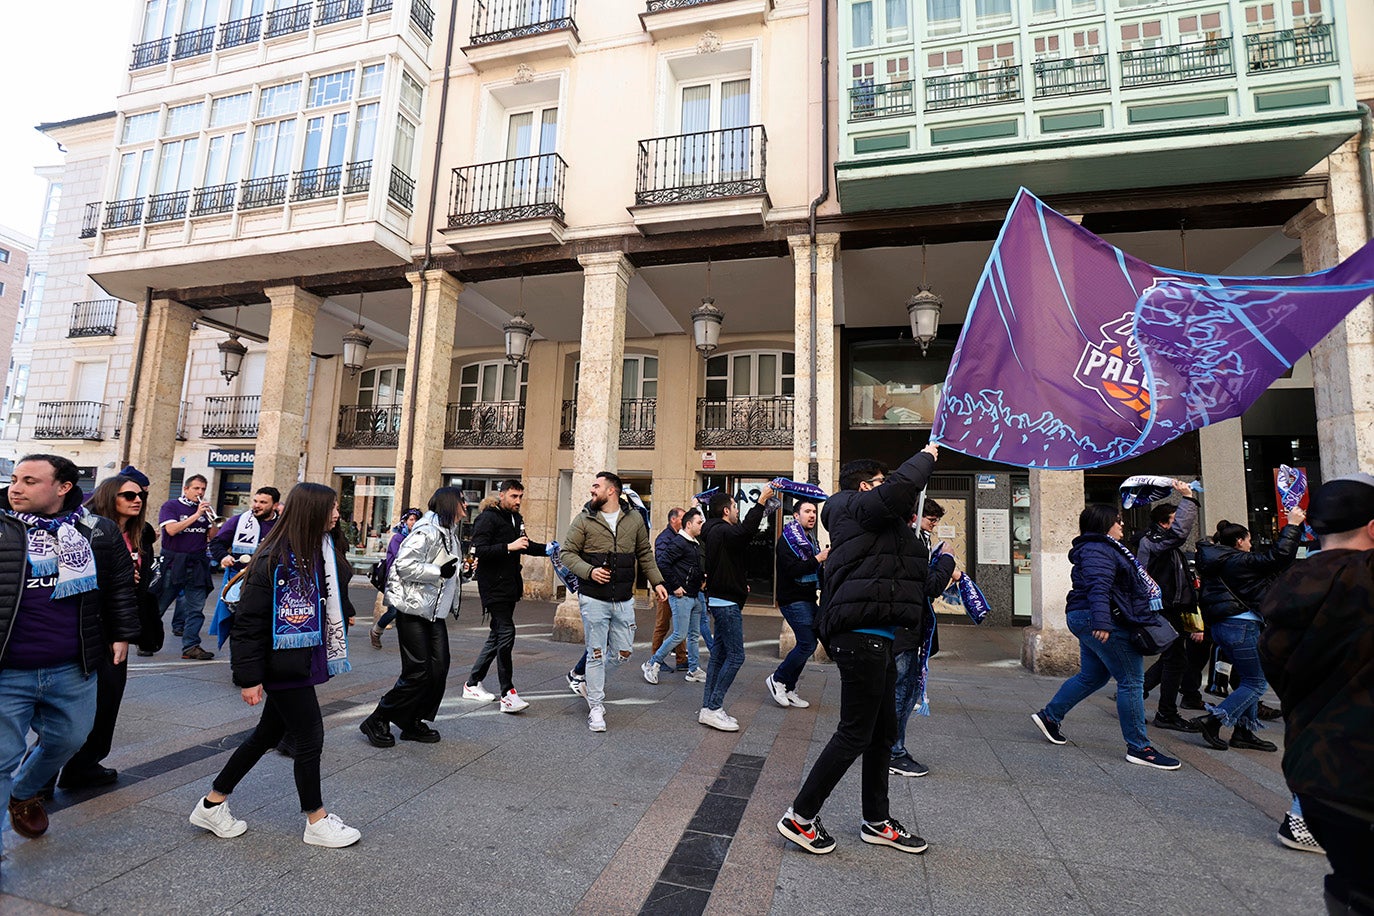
pixel 811 837
pixel 891 833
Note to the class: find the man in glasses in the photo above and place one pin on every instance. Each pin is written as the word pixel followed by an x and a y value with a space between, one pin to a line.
pixel 233 546
pixel 873 584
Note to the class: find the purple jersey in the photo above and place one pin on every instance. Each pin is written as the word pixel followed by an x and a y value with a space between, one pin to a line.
pixel 193 538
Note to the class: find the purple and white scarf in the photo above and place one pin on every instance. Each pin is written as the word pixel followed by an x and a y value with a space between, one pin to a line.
pixel 802 545
pixel 308 612
pixel 55 546
pixel 1152 587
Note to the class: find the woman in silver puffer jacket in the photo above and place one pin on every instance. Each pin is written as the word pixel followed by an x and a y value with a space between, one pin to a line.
pixel 423 585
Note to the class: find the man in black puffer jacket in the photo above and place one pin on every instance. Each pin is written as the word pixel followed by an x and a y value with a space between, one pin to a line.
pixel 874 583
pixel 67 602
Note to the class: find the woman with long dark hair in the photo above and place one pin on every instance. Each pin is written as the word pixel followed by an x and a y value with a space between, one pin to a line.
pixel 423 587
pixel 1234 580
pixel 1106 577
pixel 289 636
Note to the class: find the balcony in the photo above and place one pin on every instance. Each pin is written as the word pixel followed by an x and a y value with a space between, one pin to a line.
pixel 515 203
pixel 122 213
pixel 507 32
pixel 485 424
pixel 90 223
pixel 240 32
pixel 871 101
pixel 69 420
pixel 706 180
pixel 369 427
pixel 1290 49
pixel 287 21
pixel 263 192
pixel 332 11
pixel 216 199
pixel 638 419
pixel 1070 76
pixel 315 183
pixel 1180 63
pixel 151 53
pixel 422 17
pixel 964 90
pixel 97 318
pixel 231 418
pixel 401 188
pixel 764 422
pixel 165 207
pixel 194 44
pixel 667 18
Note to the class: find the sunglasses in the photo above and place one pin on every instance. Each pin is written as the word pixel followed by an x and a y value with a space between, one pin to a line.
pixel 132 495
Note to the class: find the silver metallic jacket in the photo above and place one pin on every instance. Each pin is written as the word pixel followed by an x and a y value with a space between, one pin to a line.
pixel 413 585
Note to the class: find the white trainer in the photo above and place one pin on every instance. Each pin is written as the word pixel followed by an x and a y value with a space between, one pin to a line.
pixel 696 676
pixel 794 700
pixel 717 719
pixel 650 670
pixel 218 820
pixel 477 692
pixel 777 691
pixel 596 719
pixel 331 832
pixel 512 703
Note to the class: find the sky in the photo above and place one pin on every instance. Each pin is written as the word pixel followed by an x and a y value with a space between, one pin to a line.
pixel 59 59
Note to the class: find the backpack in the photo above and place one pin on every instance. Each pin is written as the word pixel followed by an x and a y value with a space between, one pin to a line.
pixel 377 575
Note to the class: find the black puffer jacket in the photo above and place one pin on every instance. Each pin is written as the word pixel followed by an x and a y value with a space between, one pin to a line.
pixel 499 577
pixel 1234 581
pixel 874 575
pixel 109 614
pixel 792 570
pixel 937 580
pixel 726 544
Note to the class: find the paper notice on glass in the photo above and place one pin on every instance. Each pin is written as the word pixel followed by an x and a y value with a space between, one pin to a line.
pixel 994 537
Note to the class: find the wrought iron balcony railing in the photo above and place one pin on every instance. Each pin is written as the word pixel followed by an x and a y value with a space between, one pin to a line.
pixel 97 318
pixel 423 17
pixel 338 10
pixel 502 192
pixel 240 32
pixel 151 53
pixel 1194 60
pixel 122 213
pixel 359 177
pixel 69 420
pixel 118 420
pixel 194 44
pixel 380 6
pixel 1070 75
pixel 501 20
pixel 263 192
pixel 658 6
pixel 1290 49
pixel 966 90
pixel 90 223
pixel 485 424
pixel 286 21
pixel 164 207
pixel 369 427
pixel 638 419
pixel 702 166
pixel 231 418
pixel 881 100
pixel 744 422
pixel 401 188
pixel 313 183
pixel 215 199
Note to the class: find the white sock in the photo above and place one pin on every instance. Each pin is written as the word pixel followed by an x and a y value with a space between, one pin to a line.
pixel 797 818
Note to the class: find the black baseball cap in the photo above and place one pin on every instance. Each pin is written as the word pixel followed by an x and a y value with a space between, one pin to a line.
pixel 1342 504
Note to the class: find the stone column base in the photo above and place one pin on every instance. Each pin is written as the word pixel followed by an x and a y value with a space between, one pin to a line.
pixel 567 622
pixel 1052 651
pixel 787 639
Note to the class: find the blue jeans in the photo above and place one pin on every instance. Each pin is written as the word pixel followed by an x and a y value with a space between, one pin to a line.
pixel 727 654
pixel 59 705
pixel 705 615
pixel 908 673
pixel 1099 663
pixel 1240 640
pixel 608 628
pixel 799 616
pixel 188 583
pixel 686 625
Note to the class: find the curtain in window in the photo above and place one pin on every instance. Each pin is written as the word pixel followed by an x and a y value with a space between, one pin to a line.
pixel 942 10
pixel 992 9
pixel 736 147
pixel 861 21
pixel 896 20
pixel 696 121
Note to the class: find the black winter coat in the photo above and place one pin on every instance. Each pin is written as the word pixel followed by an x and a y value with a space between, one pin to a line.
pixel 726 545
pixel 874 576
pixel 499 577
pixel 680 561
pixel 1104 579
pixel 937 579
pixel 108 614
pixel 791 569
pixel 1234 581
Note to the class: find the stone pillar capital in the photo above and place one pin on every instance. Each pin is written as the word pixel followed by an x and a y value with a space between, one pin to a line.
pixel 293 297
pixel 1309 218
pixel 826 242
pixel 446 281
pixel 607 262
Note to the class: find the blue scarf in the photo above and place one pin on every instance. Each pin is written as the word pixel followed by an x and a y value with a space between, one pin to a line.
pixel 1151 587
pixel 795 536
pixel 55 546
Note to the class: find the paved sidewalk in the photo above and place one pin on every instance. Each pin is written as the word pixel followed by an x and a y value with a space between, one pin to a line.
pixel 533 814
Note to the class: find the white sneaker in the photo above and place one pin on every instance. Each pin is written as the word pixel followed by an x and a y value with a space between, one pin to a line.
pixel 717 719
pixel 596 719
pixel 577 683
pixel 728 718
pixel 332 832
pixel 511 702
pixel 477 692
pixel 218 820
pixel 777 691
pixel 696 676
pixel 650 670
pixel 794 700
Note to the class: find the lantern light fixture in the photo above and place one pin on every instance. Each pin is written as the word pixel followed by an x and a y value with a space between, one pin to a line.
pixel 356 344
pixel 923 310
pixel 707 319
pixel 231 352
pixel 519 331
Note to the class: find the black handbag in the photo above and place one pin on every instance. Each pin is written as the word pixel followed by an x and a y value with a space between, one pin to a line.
pixel 1150 637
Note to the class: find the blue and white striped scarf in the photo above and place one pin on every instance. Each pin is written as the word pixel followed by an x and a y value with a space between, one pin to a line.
pixel 55 546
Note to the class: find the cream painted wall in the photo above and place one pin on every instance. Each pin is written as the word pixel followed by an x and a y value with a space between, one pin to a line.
pixel 1360 15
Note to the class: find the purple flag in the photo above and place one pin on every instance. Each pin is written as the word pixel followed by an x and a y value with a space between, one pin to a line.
pixel 1076 355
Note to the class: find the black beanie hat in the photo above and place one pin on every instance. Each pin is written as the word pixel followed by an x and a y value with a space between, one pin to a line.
pixel 1341 505
pixel 136 476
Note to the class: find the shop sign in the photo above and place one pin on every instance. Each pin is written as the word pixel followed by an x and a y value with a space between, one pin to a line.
pixel 987 481
pixel 708 461
pixel 232 458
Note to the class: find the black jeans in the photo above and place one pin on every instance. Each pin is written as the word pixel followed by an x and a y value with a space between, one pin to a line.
pixel 109 693
pixel 1196 657
pixel 1349 845
pixel 498 646
pixel 867 727
pixel 1168 670
pixel 424 670
pixel 293 714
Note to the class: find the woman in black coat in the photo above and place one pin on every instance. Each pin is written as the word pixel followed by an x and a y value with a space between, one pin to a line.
pixel 289 636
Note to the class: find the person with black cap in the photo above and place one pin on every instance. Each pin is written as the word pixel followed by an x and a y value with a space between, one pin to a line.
pixel 1318 652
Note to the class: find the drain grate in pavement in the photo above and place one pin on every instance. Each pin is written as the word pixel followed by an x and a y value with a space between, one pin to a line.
pixel 684 886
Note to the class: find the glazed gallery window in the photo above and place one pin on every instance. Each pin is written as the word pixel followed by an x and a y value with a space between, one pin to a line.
pixel 384 387
pixel 493 382
pixel 889 385
pixel 765 374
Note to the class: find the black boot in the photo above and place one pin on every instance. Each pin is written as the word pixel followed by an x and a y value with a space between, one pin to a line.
pixel 377 730
pixel 1243 738
pixel 1210 728
pixel 1174 722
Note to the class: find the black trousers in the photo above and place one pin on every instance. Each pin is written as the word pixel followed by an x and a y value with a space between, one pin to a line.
pixel 498 646
pixel 867 726
pixel 424 671
pixel 293 714
pixel 109 693
pixel 1168 670
pixel 1349 845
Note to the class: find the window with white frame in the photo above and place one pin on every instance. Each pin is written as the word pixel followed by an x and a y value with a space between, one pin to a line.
pixel 14 409
pixel 992 13
pixel 403 149
pixel 228 136
pixel 159 19
pixel 198 14
pixel 412 94
pixel 714 115
pixel 495 382
pixel 33 306
pixel 4 255
pixel 1136 36
pixel 50 206
pixel 1260 18
pixel 382 387
pixel 944 17
pixel 876 22
pixel 761 374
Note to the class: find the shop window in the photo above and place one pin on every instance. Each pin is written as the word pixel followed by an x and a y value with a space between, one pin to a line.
pixel 890 386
